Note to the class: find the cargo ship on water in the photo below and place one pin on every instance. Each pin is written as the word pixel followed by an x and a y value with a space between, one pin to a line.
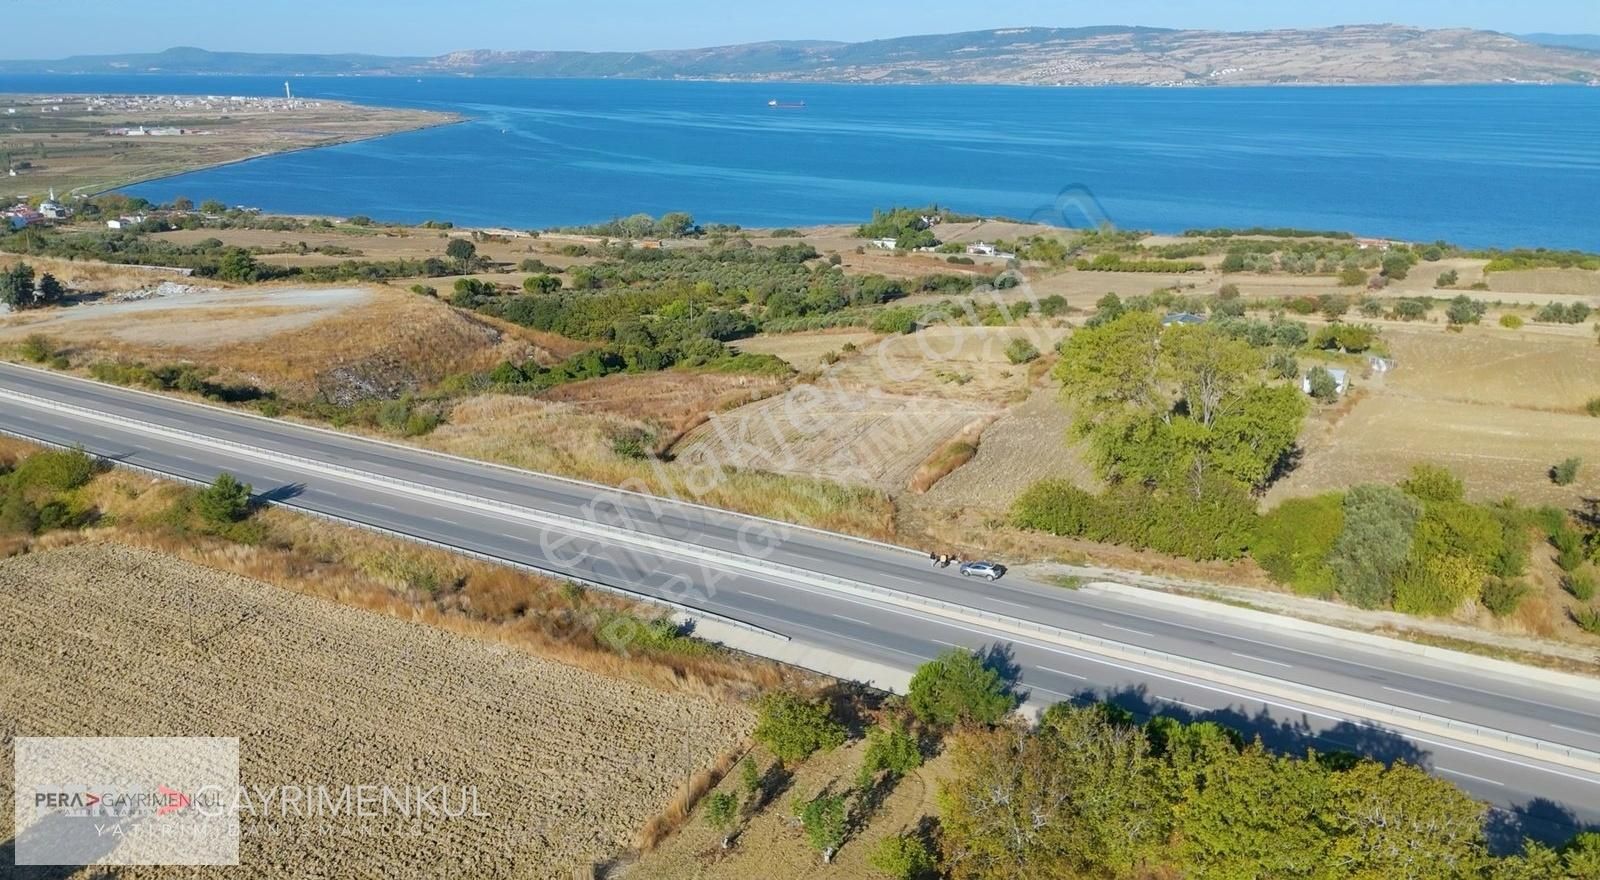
pixel 786 105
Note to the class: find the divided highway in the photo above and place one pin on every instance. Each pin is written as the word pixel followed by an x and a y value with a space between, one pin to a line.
pixel 310 469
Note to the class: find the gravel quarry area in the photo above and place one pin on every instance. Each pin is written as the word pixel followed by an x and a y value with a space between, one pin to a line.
pixel 103 640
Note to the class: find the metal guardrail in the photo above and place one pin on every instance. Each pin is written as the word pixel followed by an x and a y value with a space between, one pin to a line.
pixel 1372 708
pixel 624 592
pixel 446 456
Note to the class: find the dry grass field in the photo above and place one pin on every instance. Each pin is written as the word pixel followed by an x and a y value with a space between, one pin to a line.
pixel 65 140
pixel 576 441
pixel 295 340
pixel 1027 444
pixel 877 414
pixel 108 641
pixel 1496 406
pixel 805 351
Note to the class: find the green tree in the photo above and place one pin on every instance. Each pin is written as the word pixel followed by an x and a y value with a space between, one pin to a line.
pixel 1376 543
pixel 722 811
pixel 1294 540
pixel 223 502
pixel 1108 370
pixel 1021 351
pixel 958 686
pixel 537 284
pixel 58 470
pixel 1566 473
pixel 463 252
pixel 1399 822
pixel 1396 265
pixel 16 287
pixel 238 266
pixel 823 818
pixel 1212 370
pixel 1464 310
pixel 1250 814
pixel 1430 482
pixel 1352 276
pixel 793 728
pixel 213 207
pixel 890 749
pixel 49 291
pixel 1324 388
pixel 749 778
pixel 902 857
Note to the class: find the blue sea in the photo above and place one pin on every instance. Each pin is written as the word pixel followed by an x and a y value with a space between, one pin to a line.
pixel 1490 165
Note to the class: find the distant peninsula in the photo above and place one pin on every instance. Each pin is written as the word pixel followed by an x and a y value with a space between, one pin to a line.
pixel 1382 54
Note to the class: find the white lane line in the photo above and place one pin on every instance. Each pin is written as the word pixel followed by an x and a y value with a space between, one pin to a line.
pixel 1468 775
pixel 1261 659
pixel 1312 713
pixel 949 644
pixel 1062 672
pixel 1417 695
pixel 1008 602
pixel 1575 730
pixel 853 620
pixel 755 596
pixel 1185 705
pixel 1284 646
pixel 1137 632
pixel 384 506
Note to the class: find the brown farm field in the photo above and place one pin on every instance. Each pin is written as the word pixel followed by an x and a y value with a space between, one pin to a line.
pixel 108 641
pixel 1497 407
pixel 65 141
pixel 877 414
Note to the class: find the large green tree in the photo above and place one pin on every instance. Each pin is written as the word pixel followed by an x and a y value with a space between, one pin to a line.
pixel 958 686
pixel 1376 543
pixel 793 728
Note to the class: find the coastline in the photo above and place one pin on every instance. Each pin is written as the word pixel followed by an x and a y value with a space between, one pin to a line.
pixel 457 119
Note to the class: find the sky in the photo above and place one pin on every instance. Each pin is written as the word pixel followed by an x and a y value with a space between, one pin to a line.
pixel 57 28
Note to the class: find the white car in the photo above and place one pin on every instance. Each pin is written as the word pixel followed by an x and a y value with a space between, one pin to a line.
pixel 986 570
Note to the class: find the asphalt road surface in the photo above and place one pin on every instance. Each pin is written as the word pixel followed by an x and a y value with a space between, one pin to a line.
pixel 1532 796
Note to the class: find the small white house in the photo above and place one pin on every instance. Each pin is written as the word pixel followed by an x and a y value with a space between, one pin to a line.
pixel 1341 380
pixel 887 244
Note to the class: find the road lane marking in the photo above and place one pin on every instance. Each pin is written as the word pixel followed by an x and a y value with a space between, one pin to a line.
pixel 1008 602
pixel 1417 695
pixel 1183 704
pixel 1312 713
pixel 1468 775
pixel 1062 672
pixel 755 596
pixel 1285 646
pixel 1575 730
pixel 949 644
pixel 1260 659
pixel 853 620
pixel 1137 632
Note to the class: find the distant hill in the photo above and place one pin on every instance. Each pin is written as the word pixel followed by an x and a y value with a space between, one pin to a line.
pixel 1586 42
pixel 1356 54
